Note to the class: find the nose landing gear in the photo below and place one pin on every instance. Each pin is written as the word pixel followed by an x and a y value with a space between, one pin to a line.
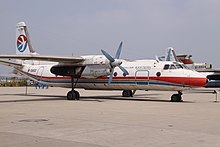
pixel 177 97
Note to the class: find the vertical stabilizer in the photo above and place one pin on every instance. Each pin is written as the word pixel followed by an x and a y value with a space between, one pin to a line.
pixel 23 42
pixel 170 55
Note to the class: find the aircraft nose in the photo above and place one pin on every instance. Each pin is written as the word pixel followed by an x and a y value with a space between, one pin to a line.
pixel 201 82
pixel 206 81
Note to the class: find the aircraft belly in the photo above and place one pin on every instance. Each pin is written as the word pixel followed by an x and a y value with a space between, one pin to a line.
pixel 130 87
pixel 107 86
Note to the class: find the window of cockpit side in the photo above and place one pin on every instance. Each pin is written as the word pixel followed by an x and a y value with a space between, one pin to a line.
pixel 172 66
pixel 178 66
pixel 166 66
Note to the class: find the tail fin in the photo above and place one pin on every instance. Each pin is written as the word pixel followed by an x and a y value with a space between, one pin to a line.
pixel 170 55
pixel 23 42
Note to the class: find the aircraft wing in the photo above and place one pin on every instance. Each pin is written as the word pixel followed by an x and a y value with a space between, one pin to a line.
pixel 12 64
pixel 44 58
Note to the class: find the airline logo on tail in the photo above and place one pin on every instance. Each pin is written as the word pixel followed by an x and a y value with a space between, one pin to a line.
pixel 22 43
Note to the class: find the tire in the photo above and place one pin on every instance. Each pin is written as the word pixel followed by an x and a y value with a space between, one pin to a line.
pixel 127 93
pixel 176 98
pixel 77 95
pixel 73 95
pixel 70 95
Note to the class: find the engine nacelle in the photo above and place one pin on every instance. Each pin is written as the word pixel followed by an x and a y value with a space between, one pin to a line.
pixel 96 59
pixel 95 71
pixel 93 67
pixel 96 66
pixel 67 70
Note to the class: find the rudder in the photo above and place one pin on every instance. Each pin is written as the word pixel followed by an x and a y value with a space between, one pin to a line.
pixel 23 42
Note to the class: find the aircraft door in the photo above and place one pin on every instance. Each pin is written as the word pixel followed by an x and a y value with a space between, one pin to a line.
pixel 40 72
pixel 142 77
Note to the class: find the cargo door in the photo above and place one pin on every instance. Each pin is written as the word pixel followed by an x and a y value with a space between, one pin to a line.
pixel 40 72
pixel 142 77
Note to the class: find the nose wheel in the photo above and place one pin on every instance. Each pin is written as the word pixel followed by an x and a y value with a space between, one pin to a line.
pixel 177 97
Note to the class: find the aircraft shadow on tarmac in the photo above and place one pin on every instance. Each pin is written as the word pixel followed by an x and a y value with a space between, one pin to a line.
pixel 137 97
pixel 40 98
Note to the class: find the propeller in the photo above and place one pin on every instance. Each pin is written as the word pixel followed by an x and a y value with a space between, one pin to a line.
pixel 115 62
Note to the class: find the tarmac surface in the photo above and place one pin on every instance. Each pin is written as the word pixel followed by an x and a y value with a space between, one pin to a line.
pixel 103 118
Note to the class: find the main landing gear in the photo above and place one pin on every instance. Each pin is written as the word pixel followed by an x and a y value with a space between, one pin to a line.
pixel 73 94
pixel 128 93
pixel 177 97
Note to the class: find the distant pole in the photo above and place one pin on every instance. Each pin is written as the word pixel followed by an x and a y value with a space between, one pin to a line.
pixel 26 86
pixel 216 95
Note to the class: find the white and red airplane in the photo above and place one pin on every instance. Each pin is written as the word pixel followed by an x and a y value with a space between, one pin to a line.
pixel 100 72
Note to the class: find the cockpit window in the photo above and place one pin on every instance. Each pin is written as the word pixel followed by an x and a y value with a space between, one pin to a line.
pixel 178 66
pixel 175 65
pixel 166 66
pixel 172 66
pixel 186 67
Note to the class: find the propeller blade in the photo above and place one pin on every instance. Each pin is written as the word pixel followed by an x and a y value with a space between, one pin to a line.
pixel 117 55
pixel 111 76
pixel 124 70
pixel 109 57
pixel 115 62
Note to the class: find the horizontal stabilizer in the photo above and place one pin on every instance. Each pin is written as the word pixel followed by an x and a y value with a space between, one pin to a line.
pixel 12 64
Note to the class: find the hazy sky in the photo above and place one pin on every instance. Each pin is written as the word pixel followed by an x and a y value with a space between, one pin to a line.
pixel 83 27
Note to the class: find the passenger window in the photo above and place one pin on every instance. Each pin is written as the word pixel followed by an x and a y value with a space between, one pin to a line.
pixel 166 66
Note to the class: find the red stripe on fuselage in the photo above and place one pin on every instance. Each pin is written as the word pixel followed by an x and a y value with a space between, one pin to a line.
pixel 188 81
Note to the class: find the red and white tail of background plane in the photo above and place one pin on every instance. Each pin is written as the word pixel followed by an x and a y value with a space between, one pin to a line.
pixel 100 72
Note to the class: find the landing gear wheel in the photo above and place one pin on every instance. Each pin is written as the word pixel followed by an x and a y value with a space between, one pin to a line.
pixel 176 98
pixel 127 93
pixel 73 95
pixel 70 95
pixel 77 95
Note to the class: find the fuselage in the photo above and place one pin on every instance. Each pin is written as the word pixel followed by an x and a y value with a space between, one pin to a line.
pixel 143 75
